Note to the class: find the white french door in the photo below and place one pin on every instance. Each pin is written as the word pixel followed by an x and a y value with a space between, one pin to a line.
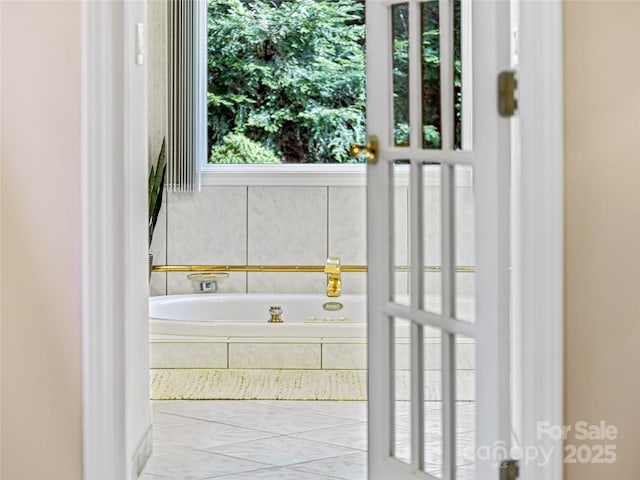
pixel 438 239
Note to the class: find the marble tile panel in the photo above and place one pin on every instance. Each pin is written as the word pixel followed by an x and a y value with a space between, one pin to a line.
pixel 159 244
pixel 466 385
pixel 188 355
pixel 158 282
pixel 465 226
pixel 465 295
pixel 216 410
pixel 402 447
pixel 197 465
pixel 402 355
pixel 401 242
pixel 465 356
pixel 281 451
pixel 348 224
pixel 285 421
pixel 274 339
pixel 465 448
pixel 163 403
pixel 287 225
pixel 466 472
pixel 356 340
pixel 401 287
pixel 433 291
pixel 402 407
pixel 465 417
pixel 432 356
pixel 347 467
pixel 178 283
pixel 160 448
pixel 207 227
pixel 353 410
pixel 278 473
pixel 353 435
pixel 258 282
pixel 148 476
pixel 162 420
pixel 432 240
pixel 203 435
pixel 401 225
pixel 256 355
pixel 432 218
pixel 345 356
pixel 354 282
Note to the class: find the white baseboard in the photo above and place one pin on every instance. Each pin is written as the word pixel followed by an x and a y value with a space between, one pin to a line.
pixel 142 454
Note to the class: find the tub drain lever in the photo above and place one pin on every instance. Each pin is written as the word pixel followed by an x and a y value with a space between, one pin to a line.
pixel 276 314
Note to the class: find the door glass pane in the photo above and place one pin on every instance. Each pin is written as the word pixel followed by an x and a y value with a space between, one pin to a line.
pixel 400 29
pixel 465 407
pixel 433 443
pixel 463 137
pixel 432 239
pixel 401 390
pixel 431 123
pixel 401 257
pixel 465 256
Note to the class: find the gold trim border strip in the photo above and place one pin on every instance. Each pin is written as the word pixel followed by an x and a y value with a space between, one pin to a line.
pixel 290 268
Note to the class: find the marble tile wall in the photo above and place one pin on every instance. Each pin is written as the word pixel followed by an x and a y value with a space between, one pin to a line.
pixel 262 226
pixel 275 225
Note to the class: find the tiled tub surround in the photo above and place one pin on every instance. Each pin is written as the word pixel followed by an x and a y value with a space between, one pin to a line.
pixel 231 332
pixel 257 225
pixel 287 225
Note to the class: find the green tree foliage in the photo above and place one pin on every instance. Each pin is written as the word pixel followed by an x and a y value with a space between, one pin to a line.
pixel 236 148
pixel 287 74
pixel 432 116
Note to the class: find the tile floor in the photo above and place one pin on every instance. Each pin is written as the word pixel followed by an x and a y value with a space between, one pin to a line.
pixel 258 439
pixel 285 440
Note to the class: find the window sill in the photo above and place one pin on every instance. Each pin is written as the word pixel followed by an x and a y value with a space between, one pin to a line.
pixel 312 175
pixel 301 175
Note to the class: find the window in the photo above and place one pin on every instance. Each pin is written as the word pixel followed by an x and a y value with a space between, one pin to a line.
pixel 285 90
pixel 286 80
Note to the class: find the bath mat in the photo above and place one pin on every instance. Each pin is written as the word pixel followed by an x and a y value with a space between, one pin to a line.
pixel 238 384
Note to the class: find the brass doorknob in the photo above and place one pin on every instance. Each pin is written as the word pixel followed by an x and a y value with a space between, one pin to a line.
pixel 370 149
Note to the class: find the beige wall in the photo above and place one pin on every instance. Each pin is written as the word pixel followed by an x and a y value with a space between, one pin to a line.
pixel 602 289
pixel 41 344
pixel 156 76
pixel 40 241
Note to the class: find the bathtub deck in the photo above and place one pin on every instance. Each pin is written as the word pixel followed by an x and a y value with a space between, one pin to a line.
pixel 332 368
pixel 334 353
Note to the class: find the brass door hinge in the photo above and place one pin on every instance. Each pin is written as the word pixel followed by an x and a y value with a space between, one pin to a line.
pixel 507 87
pixel 509 470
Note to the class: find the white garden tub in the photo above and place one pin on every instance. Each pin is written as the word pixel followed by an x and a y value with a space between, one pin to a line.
pixel 247 315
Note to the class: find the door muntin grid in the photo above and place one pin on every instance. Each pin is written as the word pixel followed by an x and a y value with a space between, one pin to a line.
pixel 416 173
pixel 455 153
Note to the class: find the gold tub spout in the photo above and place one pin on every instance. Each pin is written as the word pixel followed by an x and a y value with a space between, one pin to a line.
pixel 334 283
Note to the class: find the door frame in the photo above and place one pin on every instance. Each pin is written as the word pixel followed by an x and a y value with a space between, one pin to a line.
pixel 538 255
pixel 116 418
pixel 103 353
pixel 538 236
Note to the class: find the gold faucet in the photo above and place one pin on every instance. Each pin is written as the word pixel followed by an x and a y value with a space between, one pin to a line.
pixel 276 314
pixel 332 269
